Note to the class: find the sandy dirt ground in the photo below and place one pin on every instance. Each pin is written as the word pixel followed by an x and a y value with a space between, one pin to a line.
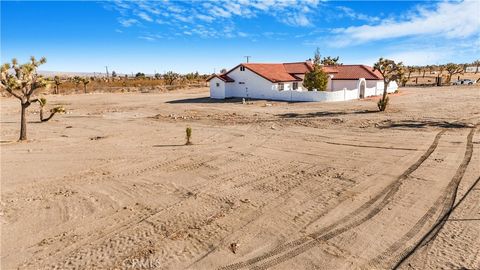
pixel 265 185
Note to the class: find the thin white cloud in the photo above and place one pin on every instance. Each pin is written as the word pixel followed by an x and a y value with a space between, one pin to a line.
pixel 147 38
pixel 352 14
pixel 448 20
pixel 145 16
pixel 296 13
pixel 127 22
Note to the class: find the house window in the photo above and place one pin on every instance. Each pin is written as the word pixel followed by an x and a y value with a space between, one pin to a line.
pixel 295 85
pixel 280 86
pixel 218 84
pixel 242 68
pixel 241 82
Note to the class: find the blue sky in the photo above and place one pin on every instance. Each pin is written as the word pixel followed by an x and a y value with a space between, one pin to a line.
pixel 184 36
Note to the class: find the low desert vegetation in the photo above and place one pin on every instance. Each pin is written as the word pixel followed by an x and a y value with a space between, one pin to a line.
pixel 188 136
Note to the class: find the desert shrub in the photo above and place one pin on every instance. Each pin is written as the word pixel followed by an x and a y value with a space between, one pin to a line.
pixel 188 132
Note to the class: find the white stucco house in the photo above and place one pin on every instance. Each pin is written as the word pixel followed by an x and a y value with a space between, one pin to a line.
pixel 284 81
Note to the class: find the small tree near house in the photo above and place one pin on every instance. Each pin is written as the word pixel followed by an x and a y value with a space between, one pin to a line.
pixel 391 72
pixel 22 84
pixel 331 61
pixel 317 78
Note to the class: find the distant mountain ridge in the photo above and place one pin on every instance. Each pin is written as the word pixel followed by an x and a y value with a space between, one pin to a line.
pixel 48 73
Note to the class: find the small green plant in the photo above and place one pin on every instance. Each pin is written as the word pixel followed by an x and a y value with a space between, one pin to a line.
pixel 382 103
pixel 188 131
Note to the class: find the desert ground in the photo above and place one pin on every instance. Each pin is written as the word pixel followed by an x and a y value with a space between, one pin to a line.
pixel 265 185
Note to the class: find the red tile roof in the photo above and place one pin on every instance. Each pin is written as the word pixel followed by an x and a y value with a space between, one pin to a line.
pixel 288 72
pixel 298 68
pixel 354 72
pixel 271 72
pixel 222 77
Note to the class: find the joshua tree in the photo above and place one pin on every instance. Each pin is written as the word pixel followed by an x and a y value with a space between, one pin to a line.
pixel 140 75
pixel 453 69
pixel 42 102
pixel 188 132
pixel 77 80
pixel 410 70
pixel 223 70
pixel 317 78
pixel 331 61
pixel 441 68
pixel 170 77
pixel 390 71
pixel 424 69
pixel 57 81
pixel 85 81
pixel 22 84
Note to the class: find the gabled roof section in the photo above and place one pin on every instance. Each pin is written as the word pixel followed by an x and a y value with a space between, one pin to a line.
pixel 290 72
pixel 222 77
pixel 298 68
pixel 354 72
pixel 272 72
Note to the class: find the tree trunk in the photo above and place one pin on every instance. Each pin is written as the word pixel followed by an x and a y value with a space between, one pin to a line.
pixel 383 107
pixel 385 86
pixel 41 113
pixel 85 88
pixel 23 124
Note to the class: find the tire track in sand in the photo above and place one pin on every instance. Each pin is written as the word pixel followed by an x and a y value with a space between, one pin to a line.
pixel 352 220
pixel 446 201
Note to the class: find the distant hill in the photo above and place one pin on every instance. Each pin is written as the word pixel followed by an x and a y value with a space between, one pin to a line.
pixel 48 73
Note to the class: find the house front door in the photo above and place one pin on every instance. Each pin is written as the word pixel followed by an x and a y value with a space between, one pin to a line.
pixel 362 89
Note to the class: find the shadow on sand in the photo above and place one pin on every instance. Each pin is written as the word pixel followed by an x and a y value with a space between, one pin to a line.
pixel 323 114
pixel 205 100
pixel 423 124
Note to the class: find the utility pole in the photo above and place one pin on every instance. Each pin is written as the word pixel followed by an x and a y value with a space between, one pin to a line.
pixel 106 69
pixel 248 57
